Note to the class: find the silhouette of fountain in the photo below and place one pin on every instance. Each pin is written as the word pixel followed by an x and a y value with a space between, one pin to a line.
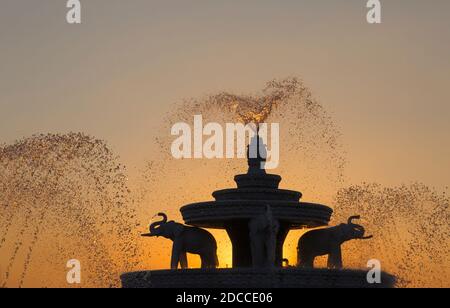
pixel 257 216
pixel 234 208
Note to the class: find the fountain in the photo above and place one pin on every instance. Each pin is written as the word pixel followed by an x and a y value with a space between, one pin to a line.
pixel 257 216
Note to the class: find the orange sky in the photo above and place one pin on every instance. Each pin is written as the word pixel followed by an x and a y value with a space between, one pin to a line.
pixel 117 74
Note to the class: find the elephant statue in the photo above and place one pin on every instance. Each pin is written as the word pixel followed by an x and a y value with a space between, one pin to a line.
pixel 328 242
pixel 263 239
pixel 186 240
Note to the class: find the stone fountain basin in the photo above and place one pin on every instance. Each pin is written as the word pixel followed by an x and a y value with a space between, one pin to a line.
pixel 257 194
pixel 254 278
pixel 216 214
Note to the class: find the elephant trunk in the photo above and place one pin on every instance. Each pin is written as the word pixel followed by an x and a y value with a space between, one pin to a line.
pixel 154 226
pixel 363 231
pixel 351 218
pixel 365 237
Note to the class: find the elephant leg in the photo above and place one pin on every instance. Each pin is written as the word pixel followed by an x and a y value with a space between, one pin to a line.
pixel 176 255
pixel 270 250
pixel 209 259
pixel 339 258
pixel 216 260
pixel 335 258
pixel 253 246
pixel 213 260
pixel 183 260
pixel 258 251
pixel 305 259
pixel 307 262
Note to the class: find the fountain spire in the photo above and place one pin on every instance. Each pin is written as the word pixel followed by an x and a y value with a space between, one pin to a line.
pixel 256 154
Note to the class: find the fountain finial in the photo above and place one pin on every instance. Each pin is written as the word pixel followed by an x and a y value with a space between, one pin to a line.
pixel 256 154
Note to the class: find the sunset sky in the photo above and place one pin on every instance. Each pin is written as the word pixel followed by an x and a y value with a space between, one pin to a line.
pixel 117 74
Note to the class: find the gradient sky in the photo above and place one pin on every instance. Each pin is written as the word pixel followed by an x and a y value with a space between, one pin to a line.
pixel 114 76
pixel 117 74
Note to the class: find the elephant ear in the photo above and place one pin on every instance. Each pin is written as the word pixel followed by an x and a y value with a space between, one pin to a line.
pixel 178 229
pixel 341 233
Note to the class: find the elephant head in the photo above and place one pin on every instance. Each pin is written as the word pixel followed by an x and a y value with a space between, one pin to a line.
pixel 354 231
pixel 164 228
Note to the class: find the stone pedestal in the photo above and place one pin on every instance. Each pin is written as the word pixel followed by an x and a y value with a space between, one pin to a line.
pixel 252 278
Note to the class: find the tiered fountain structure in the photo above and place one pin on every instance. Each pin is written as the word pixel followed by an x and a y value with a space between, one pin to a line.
pixel 232 210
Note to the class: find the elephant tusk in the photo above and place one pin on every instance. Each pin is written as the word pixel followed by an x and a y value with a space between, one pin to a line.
pixel 367 237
